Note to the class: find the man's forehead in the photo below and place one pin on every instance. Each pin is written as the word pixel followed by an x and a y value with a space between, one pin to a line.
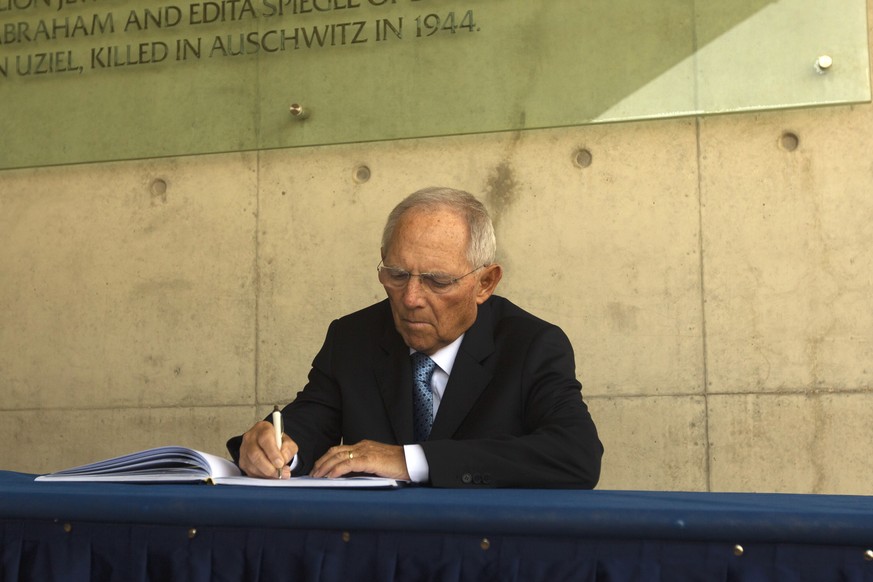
pixel 442 233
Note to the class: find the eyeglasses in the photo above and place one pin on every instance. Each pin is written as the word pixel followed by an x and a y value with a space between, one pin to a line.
pixel 438 283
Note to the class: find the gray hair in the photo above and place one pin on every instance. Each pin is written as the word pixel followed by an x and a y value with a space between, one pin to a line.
pixel 482 249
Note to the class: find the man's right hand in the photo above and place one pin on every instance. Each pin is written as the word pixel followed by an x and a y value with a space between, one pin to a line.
pixel 259 456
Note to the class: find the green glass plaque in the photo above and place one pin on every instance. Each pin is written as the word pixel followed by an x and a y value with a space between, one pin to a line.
pixel 98 80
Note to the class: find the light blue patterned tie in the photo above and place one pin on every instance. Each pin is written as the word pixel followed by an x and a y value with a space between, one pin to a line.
pixel 422 406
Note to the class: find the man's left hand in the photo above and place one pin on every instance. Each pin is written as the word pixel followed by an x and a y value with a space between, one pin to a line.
pixel 364 457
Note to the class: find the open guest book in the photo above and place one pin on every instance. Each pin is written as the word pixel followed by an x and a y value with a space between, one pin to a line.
pixel 183 465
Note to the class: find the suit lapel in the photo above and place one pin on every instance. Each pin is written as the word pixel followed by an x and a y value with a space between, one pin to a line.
pixel 469 377
pixel 394 377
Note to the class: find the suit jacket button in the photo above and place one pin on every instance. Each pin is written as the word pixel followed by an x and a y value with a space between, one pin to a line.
pixel 477 478
pixel 466 478
pixel 486 478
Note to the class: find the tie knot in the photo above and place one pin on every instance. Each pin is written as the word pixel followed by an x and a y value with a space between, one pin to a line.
pixel 422 366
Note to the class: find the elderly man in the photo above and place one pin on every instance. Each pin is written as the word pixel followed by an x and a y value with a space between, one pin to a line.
pixel 444 383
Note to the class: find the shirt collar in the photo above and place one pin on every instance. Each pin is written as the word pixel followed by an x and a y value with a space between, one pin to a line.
pixel 445 357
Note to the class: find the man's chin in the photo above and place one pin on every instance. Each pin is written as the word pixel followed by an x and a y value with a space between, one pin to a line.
pixel 418 341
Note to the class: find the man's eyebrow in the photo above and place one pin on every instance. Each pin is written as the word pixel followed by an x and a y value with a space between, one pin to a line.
pixel 437 273
pixel 440 273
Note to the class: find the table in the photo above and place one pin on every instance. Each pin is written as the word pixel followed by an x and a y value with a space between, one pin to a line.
pixel 129 533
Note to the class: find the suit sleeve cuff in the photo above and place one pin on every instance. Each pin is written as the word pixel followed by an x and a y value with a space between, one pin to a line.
pixel 416 464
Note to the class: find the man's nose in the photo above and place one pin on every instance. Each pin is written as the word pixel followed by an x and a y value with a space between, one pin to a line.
pixel 413 293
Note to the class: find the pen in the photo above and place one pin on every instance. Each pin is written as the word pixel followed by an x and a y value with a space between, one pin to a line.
pixel 277 428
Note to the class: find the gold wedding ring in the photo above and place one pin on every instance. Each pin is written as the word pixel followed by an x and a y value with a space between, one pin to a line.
pixel 351 455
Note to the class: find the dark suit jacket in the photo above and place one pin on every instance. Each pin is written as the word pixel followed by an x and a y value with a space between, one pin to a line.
pixel 512 414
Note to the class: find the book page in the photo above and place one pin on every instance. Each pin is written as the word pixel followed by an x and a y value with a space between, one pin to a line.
pixel 321 482
pixel 220 467
pixel 161 464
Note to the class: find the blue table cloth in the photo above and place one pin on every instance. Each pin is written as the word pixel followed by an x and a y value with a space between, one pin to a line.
pixel 86 531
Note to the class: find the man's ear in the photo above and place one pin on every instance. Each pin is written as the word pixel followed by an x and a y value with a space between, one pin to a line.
pixel 488 281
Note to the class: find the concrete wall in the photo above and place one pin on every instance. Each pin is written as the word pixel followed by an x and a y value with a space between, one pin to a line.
pixel 716 284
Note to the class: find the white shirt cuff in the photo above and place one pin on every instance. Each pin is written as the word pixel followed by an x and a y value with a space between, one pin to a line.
pixel 416 464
